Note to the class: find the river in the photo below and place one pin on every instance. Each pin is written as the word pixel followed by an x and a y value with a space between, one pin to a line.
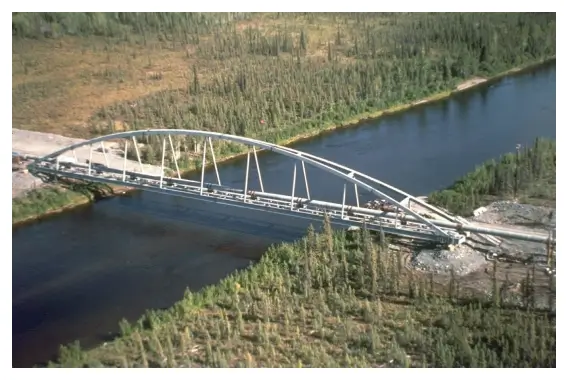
pixel 75 275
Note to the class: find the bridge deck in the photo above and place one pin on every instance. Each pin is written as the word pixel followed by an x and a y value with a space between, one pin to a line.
pixel 339 214
pixel 399 218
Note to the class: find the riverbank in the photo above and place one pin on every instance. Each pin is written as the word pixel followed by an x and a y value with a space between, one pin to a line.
pixel 58 204
pixel 32 198
pixel 529 176
pixel 52 199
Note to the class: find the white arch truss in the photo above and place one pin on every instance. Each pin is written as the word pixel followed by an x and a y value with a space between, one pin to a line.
pixel 358 179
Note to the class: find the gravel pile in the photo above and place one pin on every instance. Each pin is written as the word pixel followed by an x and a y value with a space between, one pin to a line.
pixel 524 217
pixel 462 259
pixel 471 257
pixel 508 212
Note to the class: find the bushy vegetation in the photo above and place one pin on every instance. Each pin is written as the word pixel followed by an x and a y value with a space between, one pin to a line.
pixel 275 92
pixel 529 173
pixel 335 300
pixel 49 199
pixel 42 201
pixel 270 76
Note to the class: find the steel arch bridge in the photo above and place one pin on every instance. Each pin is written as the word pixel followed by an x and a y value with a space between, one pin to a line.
pixel 409 218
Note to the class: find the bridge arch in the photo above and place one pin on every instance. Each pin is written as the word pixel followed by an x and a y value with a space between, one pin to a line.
pixel 358 179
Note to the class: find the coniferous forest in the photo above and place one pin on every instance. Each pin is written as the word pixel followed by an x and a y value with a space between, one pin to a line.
pixel 338 300
pixel 529 174
pixel 269 76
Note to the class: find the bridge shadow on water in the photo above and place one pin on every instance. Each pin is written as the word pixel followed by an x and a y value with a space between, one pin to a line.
pixel 232 219
pixel 120 257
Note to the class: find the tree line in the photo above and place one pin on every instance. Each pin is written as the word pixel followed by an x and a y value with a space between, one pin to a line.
pixel 117 24
pixel 280 81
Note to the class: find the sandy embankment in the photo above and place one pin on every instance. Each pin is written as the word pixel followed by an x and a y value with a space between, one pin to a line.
pixel 470 83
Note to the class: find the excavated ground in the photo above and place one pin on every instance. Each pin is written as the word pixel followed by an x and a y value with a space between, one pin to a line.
pixel 472 262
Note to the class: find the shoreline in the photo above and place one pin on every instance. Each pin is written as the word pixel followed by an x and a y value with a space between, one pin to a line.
pixel 472 83
pixel 77 200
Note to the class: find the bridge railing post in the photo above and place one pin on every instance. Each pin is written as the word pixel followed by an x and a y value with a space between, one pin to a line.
pixel 174 156
pixel 90 158
pixel 124 162
pixel 214 161
pixel 138 154
pixel 163 162
pixel 104 153
pixel 247 176
pixel 203 166
pixel 258 169
pixel 343 201
pixel 306 179
pixel 293 187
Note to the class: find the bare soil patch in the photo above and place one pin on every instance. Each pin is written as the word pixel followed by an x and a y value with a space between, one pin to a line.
pixel 470 83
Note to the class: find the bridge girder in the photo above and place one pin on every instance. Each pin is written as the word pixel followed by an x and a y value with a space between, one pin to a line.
pixel 358 179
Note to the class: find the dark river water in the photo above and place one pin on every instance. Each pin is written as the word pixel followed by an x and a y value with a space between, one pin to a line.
pixel 75 275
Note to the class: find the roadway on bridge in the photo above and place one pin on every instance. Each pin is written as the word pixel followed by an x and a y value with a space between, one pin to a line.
pixel 340 214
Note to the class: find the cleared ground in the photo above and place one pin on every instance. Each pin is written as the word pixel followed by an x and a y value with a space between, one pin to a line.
pixel 472 262
pixel 41 144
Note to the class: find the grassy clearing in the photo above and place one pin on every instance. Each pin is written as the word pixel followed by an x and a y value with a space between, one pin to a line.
pixel 333 300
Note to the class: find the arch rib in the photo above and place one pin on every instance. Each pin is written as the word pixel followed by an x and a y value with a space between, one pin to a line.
pixel 321 163
pixel 380 183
